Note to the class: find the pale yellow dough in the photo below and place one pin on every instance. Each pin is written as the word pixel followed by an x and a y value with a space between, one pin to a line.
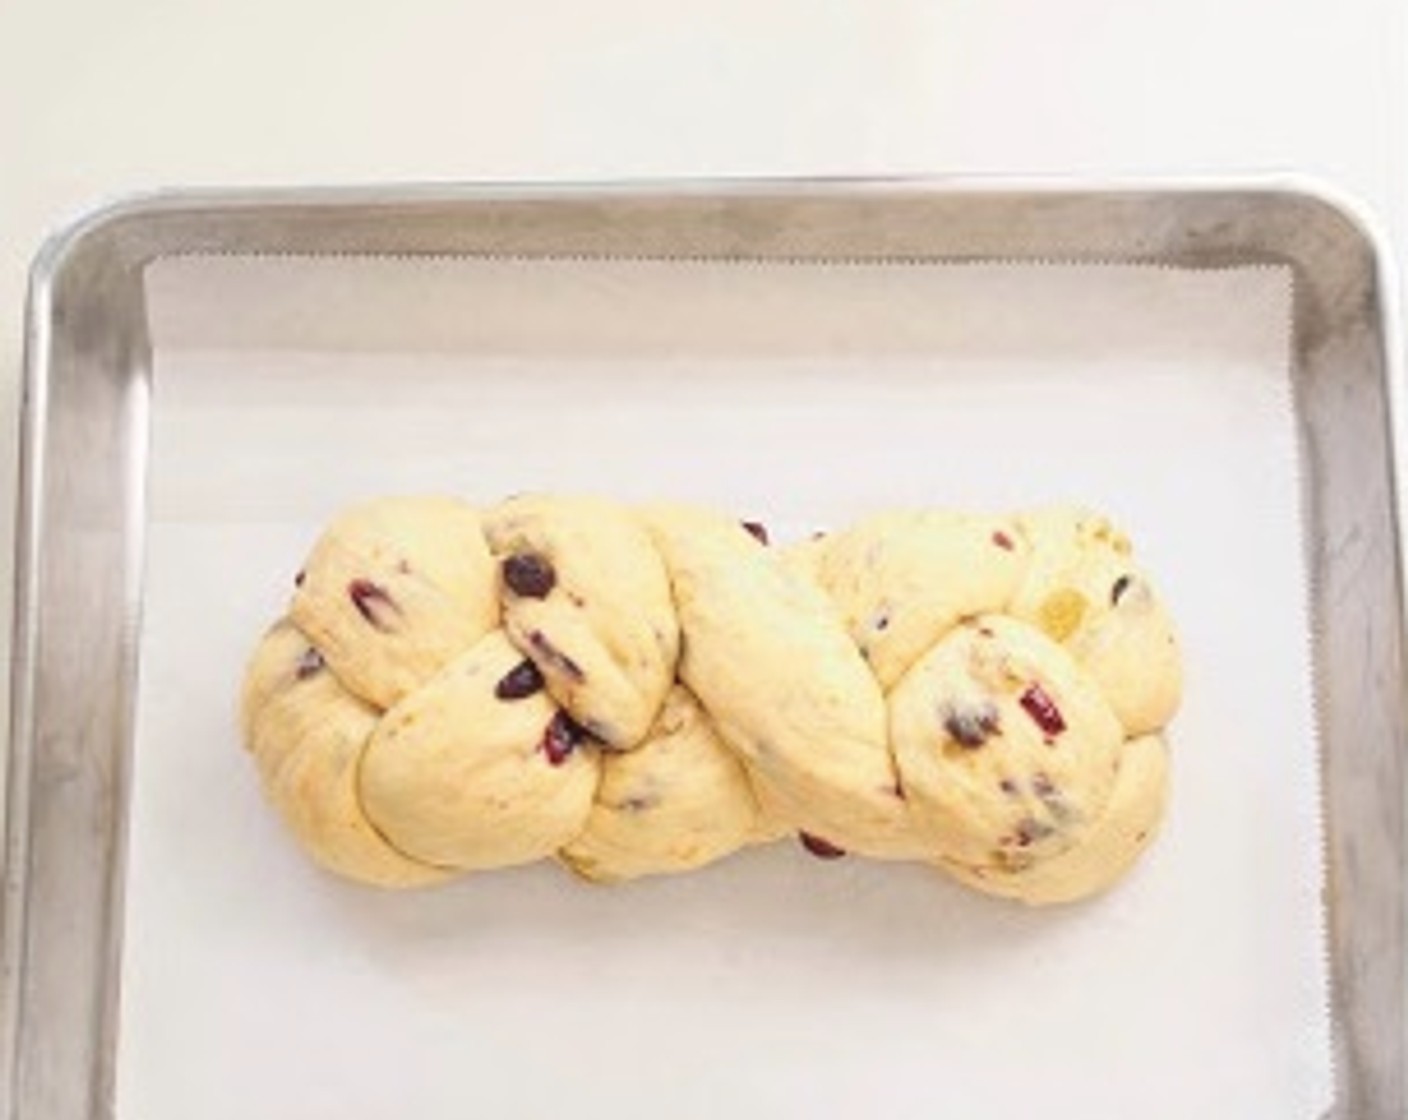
pixel 680 801
pixel 605 635
pixel 393 590
pixel 307 734
pixel 456 776
pixel 901 580
pixel 1108 848
pixel 765 652
pixel 1084 590
pixel 990 779
pixel 643 691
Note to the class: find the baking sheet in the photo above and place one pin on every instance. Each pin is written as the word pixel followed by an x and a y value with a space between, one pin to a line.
pixel 771 985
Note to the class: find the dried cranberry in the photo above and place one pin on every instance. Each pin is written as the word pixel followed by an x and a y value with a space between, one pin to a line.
pixel 530 575
pixel 822 849
pixel 971 725
pixel 309 664
pixel 758 530
pixel 1031 831
pixel 372 603
pixel 560 738
pixel 520 681
pixel 1002 540
pixel 1043 710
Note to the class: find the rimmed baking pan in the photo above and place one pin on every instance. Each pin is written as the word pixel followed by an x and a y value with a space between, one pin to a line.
pixel 104 291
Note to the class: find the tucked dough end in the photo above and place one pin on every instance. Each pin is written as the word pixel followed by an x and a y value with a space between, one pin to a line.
pixel 1117 840
pixel 307 734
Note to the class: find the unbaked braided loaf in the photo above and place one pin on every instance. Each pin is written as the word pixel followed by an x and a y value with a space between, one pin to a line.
pixel 638 691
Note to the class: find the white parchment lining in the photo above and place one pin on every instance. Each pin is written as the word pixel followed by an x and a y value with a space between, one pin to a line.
pixel 772 985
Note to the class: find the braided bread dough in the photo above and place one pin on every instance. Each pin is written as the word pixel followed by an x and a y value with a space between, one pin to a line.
pixel 638 691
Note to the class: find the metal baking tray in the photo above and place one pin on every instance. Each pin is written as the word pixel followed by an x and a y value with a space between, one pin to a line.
pixel 83 518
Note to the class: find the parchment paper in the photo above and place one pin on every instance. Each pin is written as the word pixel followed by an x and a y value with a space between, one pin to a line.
pixel 772 985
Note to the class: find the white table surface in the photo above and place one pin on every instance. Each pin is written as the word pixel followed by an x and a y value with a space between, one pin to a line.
pixel 98 99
